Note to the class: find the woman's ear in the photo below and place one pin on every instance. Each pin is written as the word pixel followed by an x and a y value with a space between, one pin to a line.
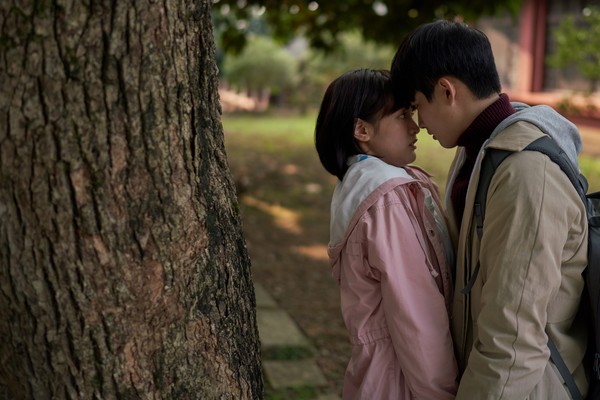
pixel 362 131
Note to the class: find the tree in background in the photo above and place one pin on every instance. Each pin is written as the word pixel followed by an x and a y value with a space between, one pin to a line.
pixel 297 74
pixel 123 272
pixel 322 22
pixel 338 36
pixel 262 69
pixel 317 69
pixel 353 52
pixel 577 45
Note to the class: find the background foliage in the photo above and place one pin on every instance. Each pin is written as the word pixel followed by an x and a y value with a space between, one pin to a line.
pixel 577 45
pixel 298 74
pixel 321 22
pixel 302 45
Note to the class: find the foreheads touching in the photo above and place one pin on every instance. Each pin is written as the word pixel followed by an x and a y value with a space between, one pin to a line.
pixel 444 48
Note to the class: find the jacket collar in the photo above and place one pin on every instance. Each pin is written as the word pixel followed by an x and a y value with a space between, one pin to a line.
pixel 483 126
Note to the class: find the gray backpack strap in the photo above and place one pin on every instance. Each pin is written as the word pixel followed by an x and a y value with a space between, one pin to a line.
pixel 546 145
pixel 493 158
pixel 564 371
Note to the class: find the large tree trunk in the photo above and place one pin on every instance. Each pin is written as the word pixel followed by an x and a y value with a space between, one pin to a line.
pixel 123 271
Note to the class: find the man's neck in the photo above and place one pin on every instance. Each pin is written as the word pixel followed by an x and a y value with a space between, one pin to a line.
pixel 477 106
pixel 484 123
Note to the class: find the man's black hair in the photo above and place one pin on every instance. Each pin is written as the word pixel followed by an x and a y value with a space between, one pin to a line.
pixel 444 48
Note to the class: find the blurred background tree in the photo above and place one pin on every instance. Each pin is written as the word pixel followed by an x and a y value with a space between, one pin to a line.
pixel 263 68
pixel 284 53
pixel 577 45
pixel 321 22
pixel 295 75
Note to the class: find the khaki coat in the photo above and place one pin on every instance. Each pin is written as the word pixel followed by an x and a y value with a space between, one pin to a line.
pixel 532 254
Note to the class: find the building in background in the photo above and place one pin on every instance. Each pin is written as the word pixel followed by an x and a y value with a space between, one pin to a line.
pixel 521 45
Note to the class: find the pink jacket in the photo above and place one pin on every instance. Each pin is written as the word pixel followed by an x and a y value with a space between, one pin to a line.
pixel 390 259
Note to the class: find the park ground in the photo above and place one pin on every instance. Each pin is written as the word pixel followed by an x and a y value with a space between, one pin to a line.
pixel 284 196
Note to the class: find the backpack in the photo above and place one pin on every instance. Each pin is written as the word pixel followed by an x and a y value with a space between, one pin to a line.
pixel 590 302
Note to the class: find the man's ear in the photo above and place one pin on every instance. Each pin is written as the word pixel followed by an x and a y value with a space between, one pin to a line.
pixel 448 88
pixel 362 131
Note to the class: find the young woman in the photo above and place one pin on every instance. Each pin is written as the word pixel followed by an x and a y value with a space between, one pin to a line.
pixel 389 246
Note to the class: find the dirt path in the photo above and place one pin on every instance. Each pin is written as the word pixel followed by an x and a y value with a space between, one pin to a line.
pixel 285 209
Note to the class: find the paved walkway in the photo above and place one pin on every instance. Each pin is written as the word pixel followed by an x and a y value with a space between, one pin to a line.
pixel 287 354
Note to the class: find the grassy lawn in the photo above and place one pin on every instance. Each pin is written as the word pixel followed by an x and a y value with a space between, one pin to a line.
pixel 286 137
pixel 284 196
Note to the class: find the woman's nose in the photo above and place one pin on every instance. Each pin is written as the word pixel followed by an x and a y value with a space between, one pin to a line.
pixel 420 121
pixel 413 127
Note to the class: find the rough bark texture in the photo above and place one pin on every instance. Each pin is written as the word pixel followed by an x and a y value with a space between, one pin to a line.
pixel 123 271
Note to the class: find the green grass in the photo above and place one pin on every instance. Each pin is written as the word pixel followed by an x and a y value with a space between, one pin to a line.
pixel 296 129
pixel 287 353
pixel 590 166
pixel 298 393
pixel 285 197
pixel 289 134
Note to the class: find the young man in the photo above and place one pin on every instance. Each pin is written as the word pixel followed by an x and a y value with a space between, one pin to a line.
pixel 534 243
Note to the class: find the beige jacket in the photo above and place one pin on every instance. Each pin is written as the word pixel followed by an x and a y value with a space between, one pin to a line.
pixel 532 253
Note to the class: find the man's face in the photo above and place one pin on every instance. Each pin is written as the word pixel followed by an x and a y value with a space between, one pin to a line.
pixel 437 117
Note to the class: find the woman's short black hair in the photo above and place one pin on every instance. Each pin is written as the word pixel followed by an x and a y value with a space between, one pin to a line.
pixel 444 48
pixel 363 93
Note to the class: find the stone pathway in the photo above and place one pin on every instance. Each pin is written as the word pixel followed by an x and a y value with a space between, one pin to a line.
pixel 288 355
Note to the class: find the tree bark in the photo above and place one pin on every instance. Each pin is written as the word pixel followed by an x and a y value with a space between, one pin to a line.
pixel 123 270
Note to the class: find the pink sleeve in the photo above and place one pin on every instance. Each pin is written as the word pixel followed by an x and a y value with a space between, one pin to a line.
pixel 414 307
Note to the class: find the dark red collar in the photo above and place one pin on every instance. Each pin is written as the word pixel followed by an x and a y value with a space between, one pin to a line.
pixel 482 127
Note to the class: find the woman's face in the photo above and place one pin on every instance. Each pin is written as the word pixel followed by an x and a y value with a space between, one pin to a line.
pixel 393 138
